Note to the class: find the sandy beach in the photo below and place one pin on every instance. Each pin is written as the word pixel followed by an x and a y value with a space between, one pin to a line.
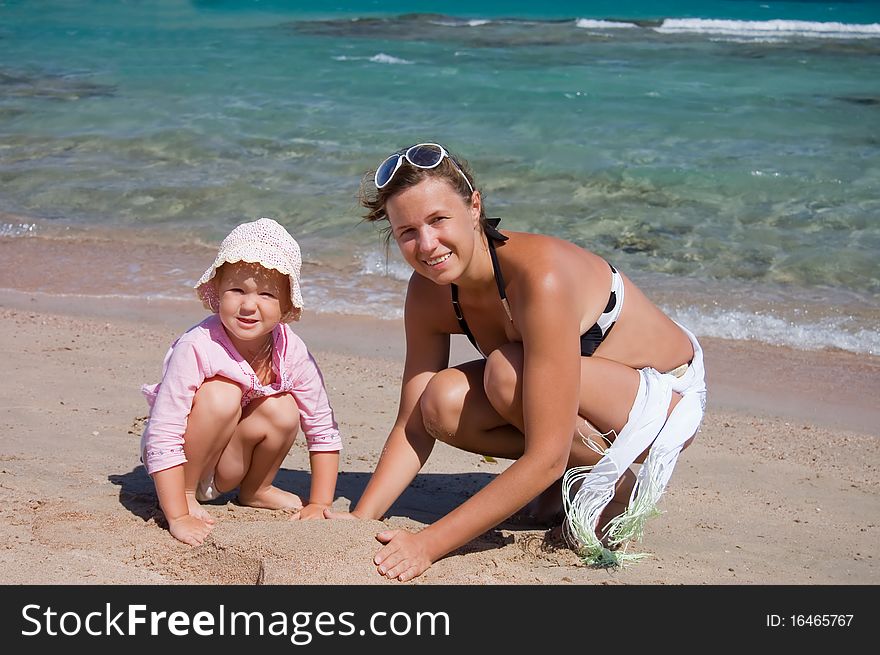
pixel 780 487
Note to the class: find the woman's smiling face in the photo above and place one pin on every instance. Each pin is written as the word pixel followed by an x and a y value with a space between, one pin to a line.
pixel 435 229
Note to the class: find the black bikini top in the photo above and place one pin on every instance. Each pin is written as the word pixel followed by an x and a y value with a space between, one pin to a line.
pixel 490 228
pixel 590 339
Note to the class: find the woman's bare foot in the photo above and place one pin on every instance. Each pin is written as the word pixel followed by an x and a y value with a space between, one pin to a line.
pixel 196 509
pixel 611 511
pixel 617 506
pixel 271 498
pixel 544 510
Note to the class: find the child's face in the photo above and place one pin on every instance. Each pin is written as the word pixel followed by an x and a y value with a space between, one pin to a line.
pixel 252 300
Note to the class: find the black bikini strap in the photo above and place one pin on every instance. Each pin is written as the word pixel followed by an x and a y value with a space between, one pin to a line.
pixel 494 235
pixel 496 268
pixel 460 316
pixel 490 227
pixel 499 280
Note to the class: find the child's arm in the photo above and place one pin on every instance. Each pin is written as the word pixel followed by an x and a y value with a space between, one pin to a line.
pixel 318 424
pixel 324 467
pixel 163 453
pixel 172 499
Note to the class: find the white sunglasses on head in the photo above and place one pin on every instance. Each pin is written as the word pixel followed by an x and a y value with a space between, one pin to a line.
pixel 421 155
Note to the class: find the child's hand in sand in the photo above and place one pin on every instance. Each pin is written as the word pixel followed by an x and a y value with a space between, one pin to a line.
pixel 196 510
pixel 404 555
pixel 189 529
pixel 310 512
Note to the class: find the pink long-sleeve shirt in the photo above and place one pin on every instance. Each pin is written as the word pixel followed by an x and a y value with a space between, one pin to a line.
pixel 205 351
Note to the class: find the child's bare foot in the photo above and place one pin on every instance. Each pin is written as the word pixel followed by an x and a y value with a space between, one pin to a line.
pixel 271 498
pixel 196 510
pixel 190 529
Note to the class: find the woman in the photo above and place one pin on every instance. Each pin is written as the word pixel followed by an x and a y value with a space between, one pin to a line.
pixel 541 311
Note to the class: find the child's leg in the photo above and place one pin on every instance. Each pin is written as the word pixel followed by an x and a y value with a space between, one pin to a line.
pixel 214 416
pixel 259 444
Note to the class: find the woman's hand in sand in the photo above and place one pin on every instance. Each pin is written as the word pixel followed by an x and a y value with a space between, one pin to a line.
pixel 189 529
pixel 349 516
pixel 404 555
pixel 310 512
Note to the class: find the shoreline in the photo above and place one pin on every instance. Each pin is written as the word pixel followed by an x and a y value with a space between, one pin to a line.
pixel 743 376
pixel 101 265
pixel 762 497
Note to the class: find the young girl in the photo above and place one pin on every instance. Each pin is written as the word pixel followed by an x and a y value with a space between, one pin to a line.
pixel 236 388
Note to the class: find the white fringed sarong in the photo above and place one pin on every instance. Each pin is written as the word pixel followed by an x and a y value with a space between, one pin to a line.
pixel 647 425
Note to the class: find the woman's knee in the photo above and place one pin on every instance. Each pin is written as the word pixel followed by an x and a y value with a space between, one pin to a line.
pixel 218 399
pixel 501 377
pixel 442 402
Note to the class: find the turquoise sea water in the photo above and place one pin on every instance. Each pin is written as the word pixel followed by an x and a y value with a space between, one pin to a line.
pixel 724 154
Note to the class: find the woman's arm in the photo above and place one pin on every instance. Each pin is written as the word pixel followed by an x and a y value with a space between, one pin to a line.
pixel 548 321
pixel 408 445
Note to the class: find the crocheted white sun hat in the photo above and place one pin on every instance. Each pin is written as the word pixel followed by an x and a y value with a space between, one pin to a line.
pixel 264 242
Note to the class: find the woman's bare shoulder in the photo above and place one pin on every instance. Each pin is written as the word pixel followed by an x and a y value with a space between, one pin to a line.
pixel 429 305
pixel 420 287
pixel 537 257
pixel 549 272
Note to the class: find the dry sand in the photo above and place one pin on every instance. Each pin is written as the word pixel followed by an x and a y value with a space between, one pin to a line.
pixel 780 487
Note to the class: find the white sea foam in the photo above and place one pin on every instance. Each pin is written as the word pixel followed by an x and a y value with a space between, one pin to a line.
pixel 382 58
pixel 756 39
pixel 769 28
pixel 375 305
pixel 476 22
pixel 376 263
pixel 589 23
pixel 834 332
pixel 17 229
